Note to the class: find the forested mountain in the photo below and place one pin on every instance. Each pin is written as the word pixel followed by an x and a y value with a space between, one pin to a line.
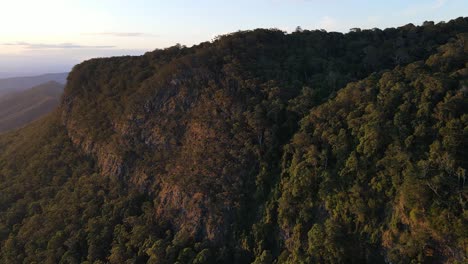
pixel 18 84
pixel 261 146
pixel 20 108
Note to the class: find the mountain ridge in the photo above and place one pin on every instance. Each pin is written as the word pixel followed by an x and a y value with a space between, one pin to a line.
pixel 20 108
pixel 222 152
pixel 17 84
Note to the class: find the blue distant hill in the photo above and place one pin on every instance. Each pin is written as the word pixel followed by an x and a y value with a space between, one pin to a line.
pixel 17 84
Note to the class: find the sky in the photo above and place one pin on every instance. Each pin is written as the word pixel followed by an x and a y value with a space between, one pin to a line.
pixel 53 35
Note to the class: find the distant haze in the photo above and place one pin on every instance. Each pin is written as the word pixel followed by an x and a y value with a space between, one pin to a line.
pixel 54 35
pixel 20 108
pixel 15 74
pixel 18 84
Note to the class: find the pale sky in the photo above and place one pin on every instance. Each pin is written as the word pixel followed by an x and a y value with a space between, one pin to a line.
pixel 39 36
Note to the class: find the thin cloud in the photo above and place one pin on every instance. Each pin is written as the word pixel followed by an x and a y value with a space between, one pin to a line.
pixel 438 4
pixel 328 23
pixel 295 1
pixel 36 46
pixel 121 34
pixel 423 8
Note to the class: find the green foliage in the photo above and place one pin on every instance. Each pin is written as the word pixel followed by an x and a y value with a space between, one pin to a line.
pixel 368 169
pixel 248 149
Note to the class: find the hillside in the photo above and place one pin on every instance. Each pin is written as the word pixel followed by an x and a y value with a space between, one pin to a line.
pixel 20 108
pixel 18 84
pixel 260 146
pixel 383 164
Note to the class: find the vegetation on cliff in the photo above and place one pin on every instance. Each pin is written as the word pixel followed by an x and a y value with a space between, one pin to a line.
pixel 249 149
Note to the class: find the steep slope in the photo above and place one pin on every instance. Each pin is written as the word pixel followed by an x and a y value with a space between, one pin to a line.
pixel 164 121
pixel 178 155
pixel 382 167
pixel 20 108
pixel 18 84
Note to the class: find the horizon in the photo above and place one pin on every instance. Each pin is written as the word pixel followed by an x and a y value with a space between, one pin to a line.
pixel 39 44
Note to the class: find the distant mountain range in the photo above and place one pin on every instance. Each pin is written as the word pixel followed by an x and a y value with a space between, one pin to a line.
pixel 4 75
pixel 17 84
pixel 22 107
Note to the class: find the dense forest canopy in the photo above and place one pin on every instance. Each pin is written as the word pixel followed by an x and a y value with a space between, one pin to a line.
pixel 257 147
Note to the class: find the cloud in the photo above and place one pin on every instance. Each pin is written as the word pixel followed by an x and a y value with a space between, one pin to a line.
pixel 328 23
pixel 121 34
pixel 40 46
pixel 295 1
pixel 438 4
pixel 424 8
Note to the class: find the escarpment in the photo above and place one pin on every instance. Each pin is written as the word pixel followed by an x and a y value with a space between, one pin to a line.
pixel 204 121
pixel 259 146
pixel 174 137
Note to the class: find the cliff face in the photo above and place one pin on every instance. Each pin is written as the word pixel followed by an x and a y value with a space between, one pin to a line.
pixel 195 126
pixel 175 137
